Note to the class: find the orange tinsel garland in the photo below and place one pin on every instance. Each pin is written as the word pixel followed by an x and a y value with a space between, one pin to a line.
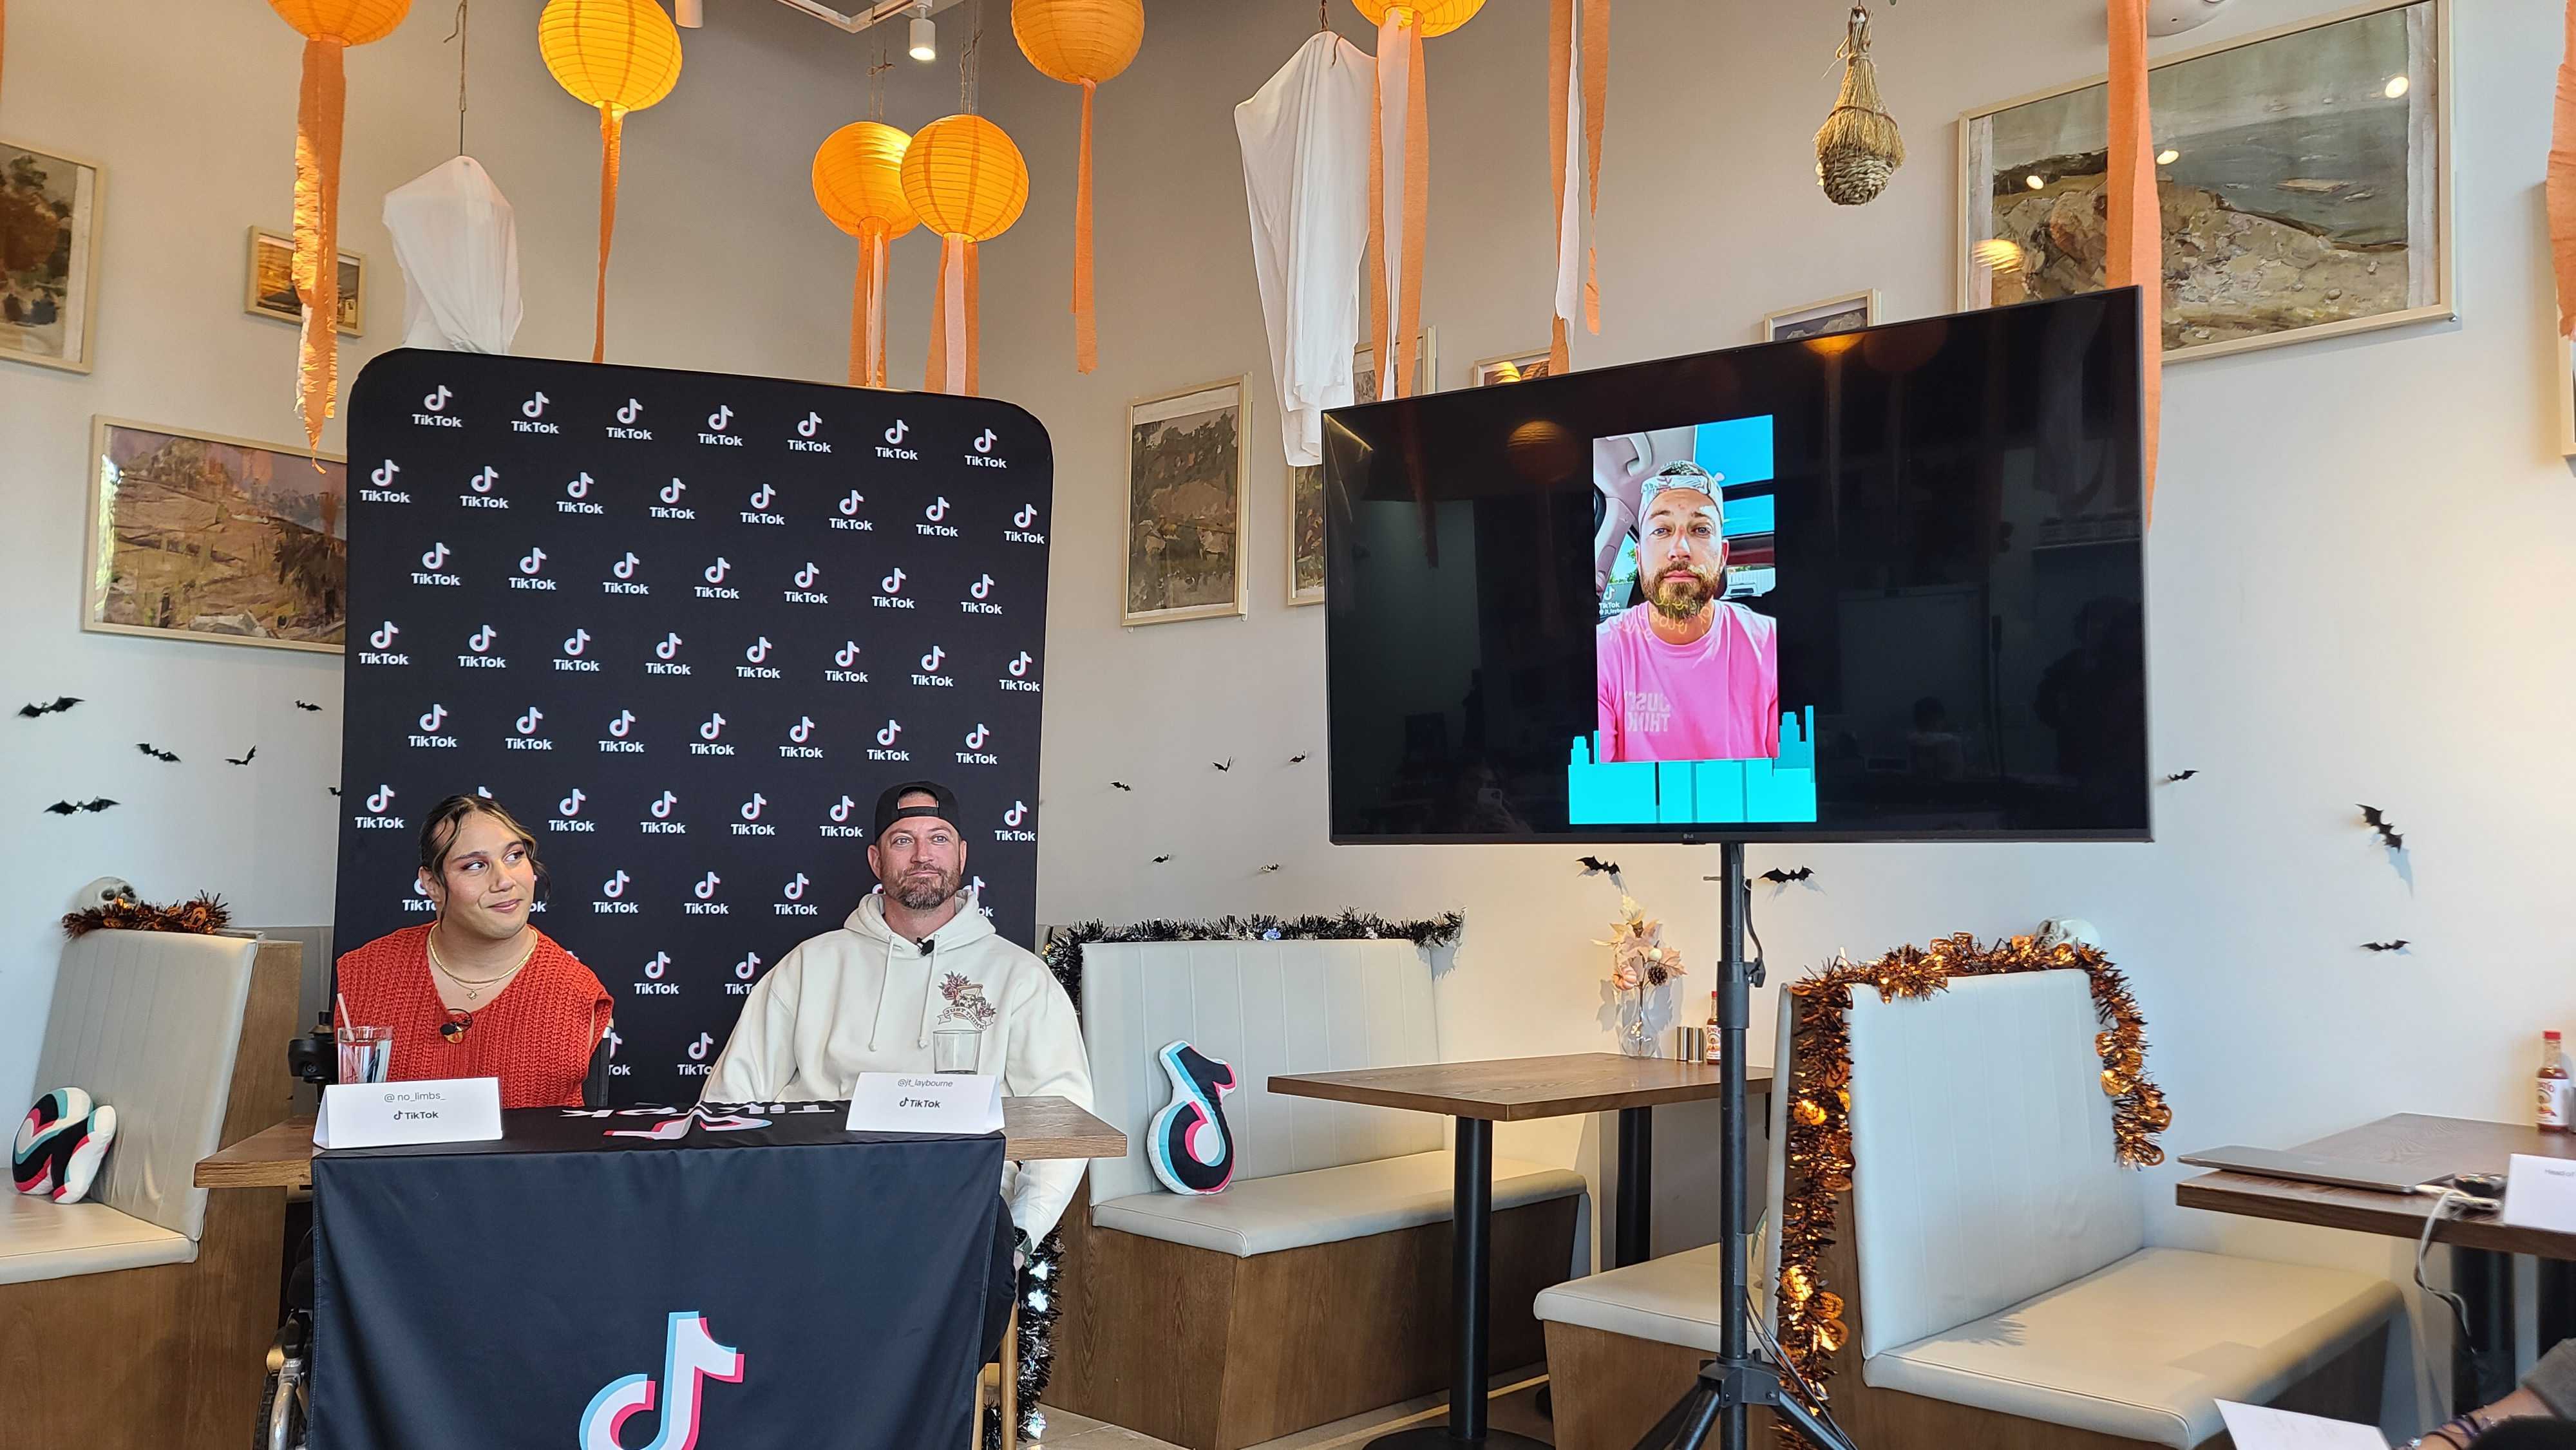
pixel 319 104
pixel 1818 1141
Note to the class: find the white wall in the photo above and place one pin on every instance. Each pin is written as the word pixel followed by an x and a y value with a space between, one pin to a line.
pixel 722 263
pixel 2361 557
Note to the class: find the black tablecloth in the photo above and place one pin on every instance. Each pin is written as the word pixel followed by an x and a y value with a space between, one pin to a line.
pixel 526 1292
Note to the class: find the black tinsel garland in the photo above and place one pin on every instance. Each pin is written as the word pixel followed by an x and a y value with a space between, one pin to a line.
pixel 1038 1312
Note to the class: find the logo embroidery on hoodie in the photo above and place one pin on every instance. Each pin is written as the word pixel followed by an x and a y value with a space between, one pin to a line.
pixel 966 1002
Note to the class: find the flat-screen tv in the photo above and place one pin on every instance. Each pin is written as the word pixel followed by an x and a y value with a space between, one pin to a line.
pixel 1878 585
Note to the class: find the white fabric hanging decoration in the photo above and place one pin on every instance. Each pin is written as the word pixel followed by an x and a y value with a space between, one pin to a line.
pixel 458 243
pixel 1305 137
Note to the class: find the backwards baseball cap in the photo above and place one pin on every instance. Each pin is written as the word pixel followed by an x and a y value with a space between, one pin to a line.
pixel 1680 475
pixel 890 807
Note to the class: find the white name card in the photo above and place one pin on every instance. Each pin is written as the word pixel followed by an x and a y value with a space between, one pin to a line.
pixel 397 1114
pixel 903 1102
pixel 2260 1427
pixel 2541 1193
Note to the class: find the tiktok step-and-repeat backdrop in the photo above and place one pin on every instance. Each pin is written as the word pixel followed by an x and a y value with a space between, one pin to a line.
pixel 686 627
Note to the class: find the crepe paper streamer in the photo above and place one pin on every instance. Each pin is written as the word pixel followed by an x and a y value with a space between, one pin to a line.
pixel 1403 187
pixel 966 181
pixel 329 27
pixel 1080 42
pixel 1578 86
pixel 858 182
pixel 2561 188
pixel 618 56
pixel 2136 256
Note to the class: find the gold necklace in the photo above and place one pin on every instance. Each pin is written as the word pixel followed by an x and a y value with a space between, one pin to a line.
pixel 474 986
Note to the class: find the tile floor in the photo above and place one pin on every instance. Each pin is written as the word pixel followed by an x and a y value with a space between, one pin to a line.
pixel 1513 1402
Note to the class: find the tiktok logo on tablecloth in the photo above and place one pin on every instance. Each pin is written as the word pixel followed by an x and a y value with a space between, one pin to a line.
pixel 690 1357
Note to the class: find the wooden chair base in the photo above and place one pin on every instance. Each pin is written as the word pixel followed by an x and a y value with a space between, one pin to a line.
pixel 1213 1352
pixel 999 1386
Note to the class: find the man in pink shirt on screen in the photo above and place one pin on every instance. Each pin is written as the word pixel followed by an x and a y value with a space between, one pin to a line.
pixel 1686 675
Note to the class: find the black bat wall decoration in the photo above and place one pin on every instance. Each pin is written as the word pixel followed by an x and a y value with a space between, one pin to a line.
pixel 66 808
pixel 1778 877
pixel 155 752
pixel 40 709
pixel 1595 866
pixel 245 760
pixel 333 789
pixel 1225 764
pixel 302 705
pixel 1298 759
pixel 1266 870
pixel 2377 820
pixel 2180 775
pixel 1159 860
pixel 1120 785
pixel 2398 945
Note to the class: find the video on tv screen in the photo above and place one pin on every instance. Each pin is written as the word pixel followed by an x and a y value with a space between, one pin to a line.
pixel 1876 585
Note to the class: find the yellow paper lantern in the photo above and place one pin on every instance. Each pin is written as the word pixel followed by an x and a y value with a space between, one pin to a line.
pixel 617 56
pixel 966 182
pixel 858 182
pixel 1395 268
pixel 1435 17
pixel 1081 43
pixel 329 27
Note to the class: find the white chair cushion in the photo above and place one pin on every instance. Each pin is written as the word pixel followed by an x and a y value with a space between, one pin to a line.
pixel 44 1240
pixel 148 1023
pixel 1267 1007
pixel 1327 1205
pixel 2145 1348
pixel 1985 1171
pixel 1671 1300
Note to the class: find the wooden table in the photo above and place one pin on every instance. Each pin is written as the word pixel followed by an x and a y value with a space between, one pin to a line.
pixel 1034 1130
pixel 1513 1090
pixel 2481 1267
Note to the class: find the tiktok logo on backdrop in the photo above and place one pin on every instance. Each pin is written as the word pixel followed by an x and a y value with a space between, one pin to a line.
pixel 433 565
pixel 531 414
pixel 528 738
pixel 569 817
pixel 669 507
pixel 379 816
pixel 805 592
pixel 793 902
pixel 662 824
pixel 383 480
pixel 1019 676
pixel 890 593
pixel 653 985
pixel 620 726
pixel 1010 828
pixel 572 661
pixel 1020 531
pixel 665 659
pixel 884 748
pixel 743 972
pixel 840 671
pixel 714 574
pixel 708 741
pixel 981 602
pixel 483 496
pixel 716 435
pixel 690 1358
pixel 624 428
pixel 759 512
pixel 575 495
pixel 847 514
pixel 983 457
pixel 482 658
pixel 751 824
pixel 622 580
pixel 759 668
pixel 612 893
pixel 800 733
pixel 893 445
pixel 975 753
pixel 433 410
pixel 936 513
pixel 532 568
pixel 705 891
pixel 383 640
pixel 929 673
pixel 838 826
pixel 429 738
pixel 805 441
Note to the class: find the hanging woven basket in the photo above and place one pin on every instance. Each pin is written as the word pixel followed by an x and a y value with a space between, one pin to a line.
pixel 1858 148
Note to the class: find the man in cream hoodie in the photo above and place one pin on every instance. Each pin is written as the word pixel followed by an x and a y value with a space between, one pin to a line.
pixel 917 955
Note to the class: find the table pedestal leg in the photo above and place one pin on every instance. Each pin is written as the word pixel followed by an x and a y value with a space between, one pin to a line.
pixel 2482 1364
pixel 1470 1270
pixel 1633 1240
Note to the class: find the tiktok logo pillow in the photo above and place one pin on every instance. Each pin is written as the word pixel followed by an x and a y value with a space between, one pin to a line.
pixel 61 1145
pixel 1191 1147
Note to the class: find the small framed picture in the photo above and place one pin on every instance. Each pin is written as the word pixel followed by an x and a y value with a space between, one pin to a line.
pixel 1426 368
pixel 271 289
pixel 199 536
pixel 1518 367
pixel 49 215
pixel 1306 533
pixel 1185 505
pixel 2566 354
pixel 1849 313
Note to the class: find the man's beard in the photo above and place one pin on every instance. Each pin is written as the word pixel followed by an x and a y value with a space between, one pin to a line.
pixel 922 895
pixel 1684 598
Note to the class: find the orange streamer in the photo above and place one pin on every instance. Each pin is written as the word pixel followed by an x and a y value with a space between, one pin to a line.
pixel 1086 332
pixel 1596 114
pixel 2136 219
pixel 974 350
pixel 319 103
pixel 955 366
pixel 2561 188
pixel 867 309
pixel 1379 305
pixel 1417 212
pixel 612 127
pixel 1560 59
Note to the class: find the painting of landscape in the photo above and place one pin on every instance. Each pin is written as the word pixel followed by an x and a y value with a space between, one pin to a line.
pixel 2299 176
pixel 1185 505
pixel 48 244
pixel 213 538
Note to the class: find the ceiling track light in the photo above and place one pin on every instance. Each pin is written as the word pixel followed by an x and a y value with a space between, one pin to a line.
pixel 689 14
pixel 925 34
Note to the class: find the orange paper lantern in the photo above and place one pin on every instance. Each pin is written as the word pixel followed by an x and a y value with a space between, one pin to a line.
pixel 966 182
pixel 1395 269
pixel 617 56
pixel 1081 43
pixel 329 27
pixel 858 182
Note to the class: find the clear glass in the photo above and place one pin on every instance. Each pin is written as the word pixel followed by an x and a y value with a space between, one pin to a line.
pixel 366 1053
pixel 952 1049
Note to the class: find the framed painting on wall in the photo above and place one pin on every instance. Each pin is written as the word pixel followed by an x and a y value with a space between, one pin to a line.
pixel 270 292
pixel 198 536
pixel 1426 368
pixel 1848 313
pixel 1306 533
pixel 49 215
pixel 1185 505
pixel 1518 367
pixel 2304 174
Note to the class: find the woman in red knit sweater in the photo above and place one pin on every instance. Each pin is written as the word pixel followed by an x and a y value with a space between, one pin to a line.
pixel 479 992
